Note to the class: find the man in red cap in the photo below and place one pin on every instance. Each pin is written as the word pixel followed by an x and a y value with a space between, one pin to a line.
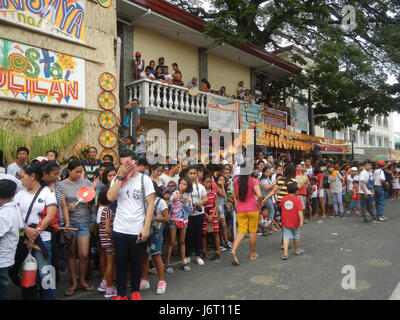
pixel 379 185
pixel 138 64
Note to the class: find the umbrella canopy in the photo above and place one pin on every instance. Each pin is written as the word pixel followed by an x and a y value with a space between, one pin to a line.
pixel 380 157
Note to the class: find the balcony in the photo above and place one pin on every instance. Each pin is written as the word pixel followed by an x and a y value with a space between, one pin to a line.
pixel 169 102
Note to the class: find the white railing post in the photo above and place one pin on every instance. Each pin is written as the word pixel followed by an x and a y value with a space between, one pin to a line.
pixel 164 100
pixel 158 100
pixel 144 94
pixel 151 93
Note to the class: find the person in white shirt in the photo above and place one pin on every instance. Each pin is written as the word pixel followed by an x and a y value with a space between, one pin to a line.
pixel 22 158
pixel 36 230
pixel 379 181
pixel 366 190
pixel 147 74
pixel 196 218
pixel 12 178
pixel 10 224
pixel 136 196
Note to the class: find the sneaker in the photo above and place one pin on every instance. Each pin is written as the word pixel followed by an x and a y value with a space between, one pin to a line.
pixel 266 234
pixel 144 284
pixel 120 298
pixel 385 218
pixel 259 234
pixel 342 217
pixel 229 245
pixel 136 296
pixel 200 262
pixel 110 292
pixel 102 286
pixel 187 260
pixel 376 221
pixel 184 267
pixel 168 269
pixel 381 219
pixel 222 249
pixel 162 286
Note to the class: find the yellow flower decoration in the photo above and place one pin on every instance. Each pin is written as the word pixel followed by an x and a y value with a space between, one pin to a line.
pixel 66 62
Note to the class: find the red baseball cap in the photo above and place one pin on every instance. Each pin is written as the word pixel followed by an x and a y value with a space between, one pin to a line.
pixel 381 163
pixel 138 54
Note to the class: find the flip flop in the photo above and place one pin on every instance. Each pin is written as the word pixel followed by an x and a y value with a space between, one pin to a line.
pixel 69 292
pixel 301 251
pixel 255 256
pixel 284 257
pixel 234 259
pixel 87 288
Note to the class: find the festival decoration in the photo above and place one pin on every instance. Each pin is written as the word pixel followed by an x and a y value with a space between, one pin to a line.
pixel 107 81
pixel 110 152
pixel 108 139
pixel 107 119
pixel 107 100
pixel 81 150
pixel 105 3
pixel 64 19
pixel 40 75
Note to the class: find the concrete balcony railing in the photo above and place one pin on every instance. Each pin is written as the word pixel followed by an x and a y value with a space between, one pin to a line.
pixel 168 101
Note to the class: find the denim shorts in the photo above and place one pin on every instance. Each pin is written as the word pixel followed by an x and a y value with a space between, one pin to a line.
pixel 291 233
pixel 84 230
pixel 355 204
pixel 172 225
pixel 154 243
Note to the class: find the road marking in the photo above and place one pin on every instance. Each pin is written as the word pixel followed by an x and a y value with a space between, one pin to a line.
pixel 396 293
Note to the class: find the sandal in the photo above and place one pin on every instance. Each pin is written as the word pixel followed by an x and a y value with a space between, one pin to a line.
pixel 70 292
pixel 88 288
pixel 255 256
pixel 234 259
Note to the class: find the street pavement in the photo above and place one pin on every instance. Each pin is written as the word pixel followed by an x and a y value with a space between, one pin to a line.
pixel 330 245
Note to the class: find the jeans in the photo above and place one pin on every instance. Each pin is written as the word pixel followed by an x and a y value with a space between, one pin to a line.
pixel 337 202
pixel 46 277
pixel 366 203
pixel 380 199
pixel 4 283
pixel 271 208
pixel 127 251
pixel 194 235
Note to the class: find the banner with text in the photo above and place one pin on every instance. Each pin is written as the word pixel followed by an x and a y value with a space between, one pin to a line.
pixel 223 113
pixel 274 117
pixel 61 18
pixel 40 75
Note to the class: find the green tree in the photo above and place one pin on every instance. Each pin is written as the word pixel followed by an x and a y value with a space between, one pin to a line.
pixel 351 65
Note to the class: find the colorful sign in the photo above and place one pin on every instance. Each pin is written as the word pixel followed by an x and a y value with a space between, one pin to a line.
pixel 40 75
pixel 61 18
pixel 274 117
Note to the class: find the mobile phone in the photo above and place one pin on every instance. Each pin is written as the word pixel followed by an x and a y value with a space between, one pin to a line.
pixel 139 239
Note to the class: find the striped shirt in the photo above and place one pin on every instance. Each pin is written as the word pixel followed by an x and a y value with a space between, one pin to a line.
pixel 283 188
pixel 59 198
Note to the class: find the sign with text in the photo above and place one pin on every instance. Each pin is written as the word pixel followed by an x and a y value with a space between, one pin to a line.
pixel 40 75
pixel 223 113
pixel 61 18
pixel 274 117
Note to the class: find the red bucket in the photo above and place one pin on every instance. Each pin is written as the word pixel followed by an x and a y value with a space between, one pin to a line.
pixel 29 272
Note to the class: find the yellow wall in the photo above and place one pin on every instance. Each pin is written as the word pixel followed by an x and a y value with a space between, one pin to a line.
pixel 228 73
pixel 153 45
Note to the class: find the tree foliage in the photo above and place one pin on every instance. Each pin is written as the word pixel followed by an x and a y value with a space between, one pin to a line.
pixel 349 76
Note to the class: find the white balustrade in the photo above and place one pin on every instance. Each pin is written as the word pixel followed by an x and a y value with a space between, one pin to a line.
pixel 159 95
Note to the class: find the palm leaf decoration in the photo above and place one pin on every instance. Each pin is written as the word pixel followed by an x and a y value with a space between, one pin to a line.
pixel 5 49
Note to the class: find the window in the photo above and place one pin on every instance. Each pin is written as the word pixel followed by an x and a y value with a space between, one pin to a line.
pixel 329 134
pixel 379 121
pixel 364 139
pixel 371 141
pixel 370 120
pixel 379 142
pixel 386 122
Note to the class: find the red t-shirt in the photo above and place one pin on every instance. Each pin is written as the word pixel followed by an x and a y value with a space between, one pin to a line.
pixel 290 207
pixel 302 191
pixel 355 196
pixel 319 177
pixel 250 204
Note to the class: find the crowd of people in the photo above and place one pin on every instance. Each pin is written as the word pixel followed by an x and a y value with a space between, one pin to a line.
pixel 144 215
pixel 270 97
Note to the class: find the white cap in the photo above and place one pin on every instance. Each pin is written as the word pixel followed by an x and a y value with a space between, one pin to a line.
pixel 354 169
pixel 302 163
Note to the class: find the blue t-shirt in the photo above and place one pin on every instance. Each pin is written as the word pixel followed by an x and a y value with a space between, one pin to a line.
pixel 90 168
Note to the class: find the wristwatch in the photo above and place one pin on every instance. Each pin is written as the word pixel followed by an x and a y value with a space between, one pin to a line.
pixel 120 178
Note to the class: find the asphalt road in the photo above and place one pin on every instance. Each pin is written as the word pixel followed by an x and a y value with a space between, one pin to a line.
pixel 330 245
